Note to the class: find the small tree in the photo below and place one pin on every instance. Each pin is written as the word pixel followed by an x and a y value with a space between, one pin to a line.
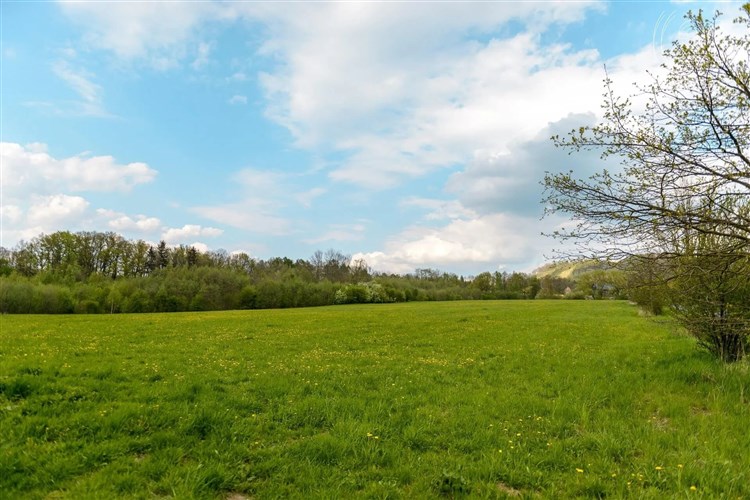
pixel 683 196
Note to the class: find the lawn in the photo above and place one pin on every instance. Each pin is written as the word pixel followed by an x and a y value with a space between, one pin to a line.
pixel 548 399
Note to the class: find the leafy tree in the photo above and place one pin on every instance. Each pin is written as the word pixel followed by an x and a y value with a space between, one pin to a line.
pixel 682 196
pixel 601 283
pixel 162 255
pixel 483 282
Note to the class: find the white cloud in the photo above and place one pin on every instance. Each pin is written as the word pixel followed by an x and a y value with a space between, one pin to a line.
pixel 123 223
pixel 30 169
pixel 510 182
pixel 180 234
pixel 156 32
pixel 202 58
pixel 56 210
pixel 40 192
pixel 491 241
pixel 237 99
pixel 401 89
pixel 11 213
pixel 413 89
pixel 81 82
pixel 200 246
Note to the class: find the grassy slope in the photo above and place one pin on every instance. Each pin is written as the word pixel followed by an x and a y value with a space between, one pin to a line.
pixel 557 399
pixel 569 270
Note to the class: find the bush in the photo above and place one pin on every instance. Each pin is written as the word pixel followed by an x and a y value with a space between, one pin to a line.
pixel 249 297
pixel 364 293
pixel 88 307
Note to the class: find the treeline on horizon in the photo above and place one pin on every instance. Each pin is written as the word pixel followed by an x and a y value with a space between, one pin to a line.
pixel 95 272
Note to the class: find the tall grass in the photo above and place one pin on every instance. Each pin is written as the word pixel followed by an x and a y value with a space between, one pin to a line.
pixel 480 399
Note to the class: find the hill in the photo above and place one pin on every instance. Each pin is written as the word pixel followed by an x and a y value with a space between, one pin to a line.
pixel 569 270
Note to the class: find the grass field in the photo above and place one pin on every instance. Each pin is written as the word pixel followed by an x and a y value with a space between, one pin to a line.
pixel 541 399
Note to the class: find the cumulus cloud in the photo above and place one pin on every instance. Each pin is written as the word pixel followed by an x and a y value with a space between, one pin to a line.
pixel 11 213
pixel 31 168
pixel 55 210
pixel 495 220
pixel 200 246
pixel 43 193
pixel 181 234
pixel 123 223
pixel 403 113
pixel 399 90
pixel 511 181
pixel 496 240
pixel 43 214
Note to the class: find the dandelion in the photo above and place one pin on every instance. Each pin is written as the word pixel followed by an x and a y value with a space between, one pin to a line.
pixel 693 488
pixel 580 471
pixel 679 466
pixel 659 467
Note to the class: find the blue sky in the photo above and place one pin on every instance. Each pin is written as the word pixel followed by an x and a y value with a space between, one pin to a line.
pixel 410 134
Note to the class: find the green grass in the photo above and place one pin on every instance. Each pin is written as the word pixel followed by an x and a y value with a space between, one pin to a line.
pixel 551 399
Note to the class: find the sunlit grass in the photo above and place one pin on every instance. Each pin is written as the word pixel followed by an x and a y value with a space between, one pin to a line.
pixel 484 399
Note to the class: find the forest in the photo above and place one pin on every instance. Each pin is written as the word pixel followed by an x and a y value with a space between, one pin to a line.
pixel 102 272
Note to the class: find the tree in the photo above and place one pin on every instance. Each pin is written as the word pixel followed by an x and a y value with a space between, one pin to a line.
pixel 682 196
pixel 162 255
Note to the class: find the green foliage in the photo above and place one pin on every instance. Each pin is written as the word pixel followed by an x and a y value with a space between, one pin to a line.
pixel 681 196
pixel 646 284
pixel 103 273
pixel 366 293
pixel 710 296
pixel 534 399
pixel 602 284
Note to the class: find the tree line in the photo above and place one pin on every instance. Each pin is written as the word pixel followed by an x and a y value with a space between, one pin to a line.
pixel 102 272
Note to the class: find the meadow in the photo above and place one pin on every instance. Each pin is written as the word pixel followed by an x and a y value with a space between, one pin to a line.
pixel 484 399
